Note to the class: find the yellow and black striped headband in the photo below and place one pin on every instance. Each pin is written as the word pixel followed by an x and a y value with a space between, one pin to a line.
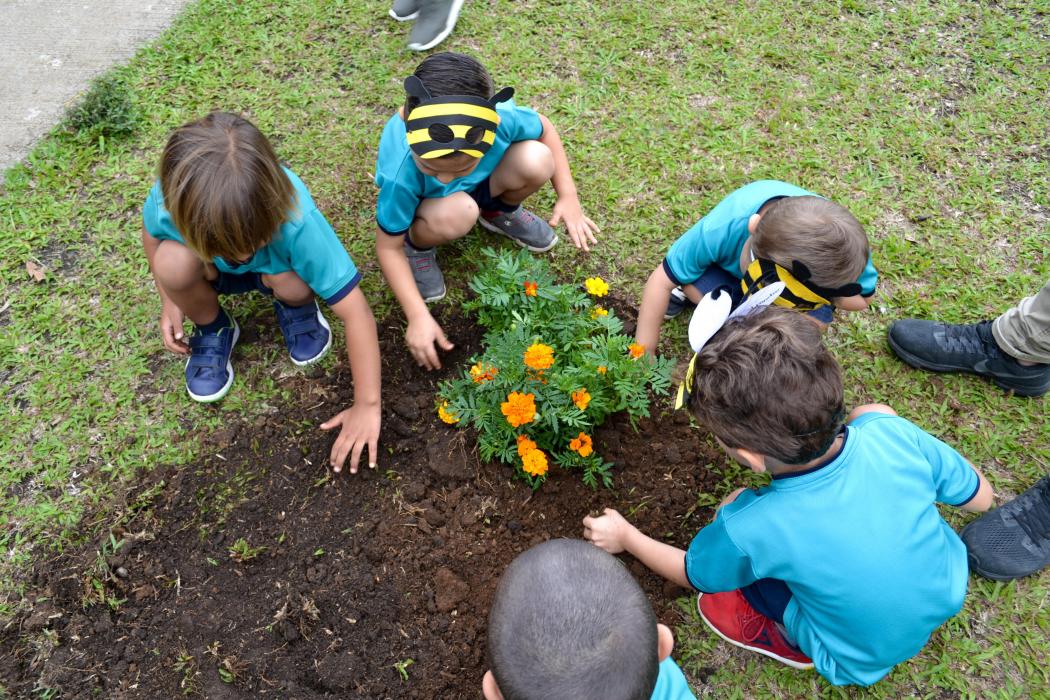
pixel 799 291
pixel 438 126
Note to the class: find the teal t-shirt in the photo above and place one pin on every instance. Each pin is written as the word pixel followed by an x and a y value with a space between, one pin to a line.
pixel 671 684
pixel 305 243
pixel 718 238
pixel 402 186
pixel 872 566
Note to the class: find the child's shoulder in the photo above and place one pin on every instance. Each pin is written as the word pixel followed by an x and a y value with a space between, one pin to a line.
pixel 764 190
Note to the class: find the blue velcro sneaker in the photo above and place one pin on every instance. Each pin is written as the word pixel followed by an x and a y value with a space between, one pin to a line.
pixel 307 334
pixel 209 371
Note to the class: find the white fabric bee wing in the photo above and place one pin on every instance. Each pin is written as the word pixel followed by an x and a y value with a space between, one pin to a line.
pixel 710 315
pixel 758 299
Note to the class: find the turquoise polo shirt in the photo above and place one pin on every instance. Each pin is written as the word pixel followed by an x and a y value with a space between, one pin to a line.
pixel 305 244
pixel 402 186
pixel 718 238
pixel 671 684
pixel 872 566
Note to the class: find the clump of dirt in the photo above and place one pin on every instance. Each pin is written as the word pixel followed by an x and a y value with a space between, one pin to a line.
pixel 257 573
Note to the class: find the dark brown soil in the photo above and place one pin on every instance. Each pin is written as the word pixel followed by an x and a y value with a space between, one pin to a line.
pixel 360 575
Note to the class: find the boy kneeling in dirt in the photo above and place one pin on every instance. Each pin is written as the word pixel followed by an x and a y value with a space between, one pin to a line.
pixel 225 217
pixel 455 155
pixel 843 562
pixel 570 623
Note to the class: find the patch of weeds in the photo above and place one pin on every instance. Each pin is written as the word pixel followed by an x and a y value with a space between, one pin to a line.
pixel 107 109
pixel 242 552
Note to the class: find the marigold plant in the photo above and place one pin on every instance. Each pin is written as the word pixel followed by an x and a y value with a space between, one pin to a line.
pixel 554 366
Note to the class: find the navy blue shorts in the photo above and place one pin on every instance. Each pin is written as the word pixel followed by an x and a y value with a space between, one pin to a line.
pixel 230 283
pixel 715 277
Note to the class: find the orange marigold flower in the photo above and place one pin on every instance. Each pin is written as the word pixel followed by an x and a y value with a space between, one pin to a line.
pixel 534 462
pixel 636 350
pixel 599 311
pixel 481 374
pixel 596 286
pixel 603 369
pixel 447 416
pixel 581 398
pixel 530 289
pixel 525 445
pixel 519 408
pixel 539 356
pixel 582 444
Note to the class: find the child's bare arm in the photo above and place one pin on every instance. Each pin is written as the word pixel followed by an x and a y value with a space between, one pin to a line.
pixel 581 229
pixel 651 311
pixel 422 331
pixel 984 498
pixel 614 534
pixel 359 424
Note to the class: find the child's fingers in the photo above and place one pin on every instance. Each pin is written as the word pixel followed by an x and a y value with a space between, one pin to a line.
pixel 355 455
pixel 556 219
pixel 373 452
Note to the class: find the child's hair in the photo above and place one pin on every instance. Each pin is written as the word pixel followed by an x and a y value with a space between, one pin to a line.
pixel 766 383
pixel 570 623
pixel 449 73
pixel 817 232
pixel 223 186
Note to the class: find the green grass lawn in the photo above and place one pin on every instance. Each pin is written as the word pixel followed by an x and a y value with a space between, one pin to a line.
pixel 929 122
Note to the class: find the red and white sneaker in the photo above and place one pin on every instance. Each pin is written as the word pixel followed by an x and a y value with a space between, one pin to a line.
pixel 734 620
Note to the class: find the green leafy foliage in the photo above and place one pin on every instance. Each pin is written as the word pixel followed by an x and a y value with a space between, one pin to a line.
pixel 555 364
pixel 107 109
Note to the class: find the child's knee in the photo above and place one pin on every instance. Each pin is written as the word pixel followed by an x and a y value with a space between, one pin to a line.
pixel 288 287
pixel 535 161
pixel 452 216
pixel 176 266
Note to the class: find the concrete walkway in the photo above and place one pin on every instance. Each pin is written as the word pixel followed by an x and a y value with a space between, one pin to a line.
pixel 51 49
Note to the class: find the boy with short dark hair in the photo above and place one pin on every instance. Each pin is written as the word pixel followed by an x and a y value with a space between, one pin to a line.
pixel 225 217
pixel 570 623
pixel 843 562
pixel 764 232
pixel 457 154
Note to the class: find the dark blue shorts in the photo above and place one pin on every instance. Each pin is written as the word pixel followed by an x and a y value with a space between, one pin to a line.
pixel 230 283
pixel 715 277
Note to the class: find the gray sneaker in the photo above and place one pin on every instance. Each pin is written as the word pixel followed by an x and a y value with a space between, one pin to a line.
pixel 425 270
pixel 436 21
pixel 404 10
pixel 523 227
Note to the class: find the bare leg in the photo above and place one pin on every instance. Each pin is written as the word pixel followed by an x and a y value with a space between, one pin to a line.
pixel 525 167
pixel 289 288
pixel 185 278
pixel 443 220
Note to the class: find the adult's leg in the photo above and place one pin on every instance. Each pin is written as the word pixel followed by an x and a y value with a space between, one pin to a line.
pixel 1023 332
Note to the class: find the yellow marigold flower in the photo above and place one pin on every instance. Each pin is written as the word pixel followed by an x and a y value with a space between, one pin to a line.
pixel 481 374
pixel 525 445
pixel 530 289
pixel 539 356
pixel 596 286
pixel 445 415
pixel 519 408
pixel 603 369
pixel 582 444
pixel 581 398
pixel 599 311
pixel 636 350
pixel 534 462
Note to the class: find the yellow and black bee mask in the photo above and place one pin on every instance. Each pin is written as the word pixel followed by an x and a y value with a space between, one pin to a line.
pixel 799 292
pixel 438 126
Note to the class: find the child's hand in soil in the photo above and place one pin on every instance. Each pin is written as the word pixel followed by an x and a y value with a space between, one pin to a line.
pixel 609 531
pixel 421 336
pixel 581 229
pixel 358 428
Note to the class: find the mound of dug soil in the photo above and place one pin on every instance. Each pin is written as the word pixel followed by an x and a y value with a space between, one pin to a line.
pixel 256 573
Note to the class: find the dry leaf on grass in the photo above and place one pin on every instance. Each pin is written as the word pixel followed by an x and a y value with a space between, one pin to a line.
pixel 37 272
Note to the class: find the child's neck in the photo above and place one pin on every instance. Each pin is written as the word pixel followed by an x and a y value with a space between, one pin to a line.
pixel 774 466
